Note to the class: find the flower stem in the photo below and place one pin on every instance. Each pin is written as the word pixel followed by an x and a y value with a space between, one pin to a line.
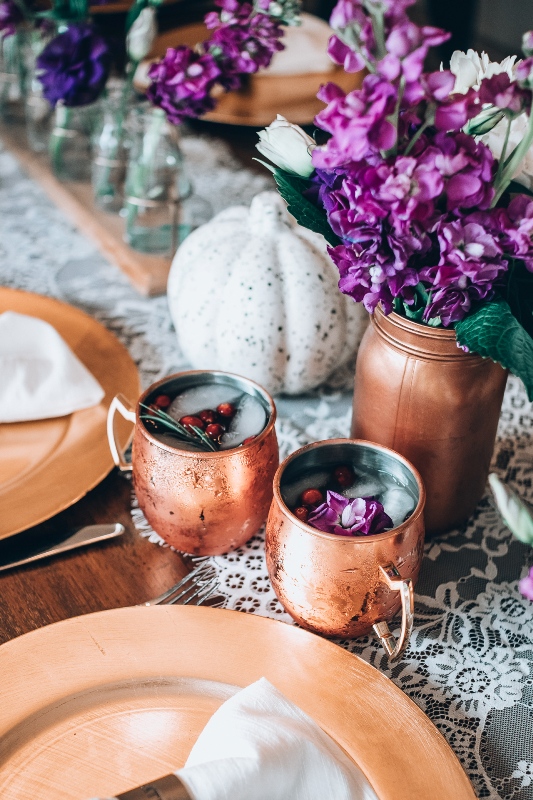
pixel 427 122
pixel 57 138
pixel 513 162
pixel 504 150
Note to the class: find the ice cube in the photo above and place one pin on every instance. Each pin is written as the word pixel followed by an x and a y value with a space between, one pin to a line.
pixel 364 486
pixel 398 504
pixel 173 441
pixel 249 420
pixel 314 480
pixel 199 398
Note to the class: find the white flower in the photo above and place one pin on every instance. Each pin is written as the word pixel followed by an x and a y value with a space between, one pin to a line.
pixel 141 35
pixel 471 68
pixel 495 139
pixel 287 146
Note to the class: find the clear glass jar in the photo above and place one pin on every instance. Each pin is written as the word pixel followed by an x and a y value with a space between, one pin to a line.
pixel 70 141
pixel 111 143
pixel 158 216
pixel 11 75
pixel 37 110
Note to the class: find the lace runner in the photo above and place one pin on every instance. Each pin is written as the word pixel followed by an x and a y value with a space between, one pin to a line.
pixel 470 662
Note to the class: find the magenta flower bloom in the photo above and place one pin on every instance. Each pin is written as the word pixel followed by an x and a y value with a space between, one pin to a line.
pixel 357 121
pixel 182 82
pixel 74 66
pixel 505 93
pixel 10 17
pixel 359 517
pixel 526 585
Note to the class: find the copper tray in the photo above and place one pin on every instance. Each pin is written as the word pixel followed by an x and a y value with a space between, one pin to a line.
pixel 47 465
pixel 96 705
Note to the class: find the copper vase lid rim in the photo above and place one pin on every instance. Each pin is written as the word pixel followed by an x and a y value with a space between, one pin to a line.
pixel 208 453
pixel 418 339
pixel 419 509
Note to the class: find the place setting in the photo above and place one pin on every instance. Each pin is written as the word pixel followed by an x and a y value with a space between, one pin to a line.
pixel 266 361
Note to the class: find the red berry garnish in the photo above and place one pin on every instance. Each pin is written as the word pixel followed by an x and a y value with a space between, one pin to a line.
pixel 192 422
pixel 249 439
pixel 344 476
pixel 162 401
pixel 226 410
pixel 208 416
pixel 215 431
pixel 312 497
pixel 302 513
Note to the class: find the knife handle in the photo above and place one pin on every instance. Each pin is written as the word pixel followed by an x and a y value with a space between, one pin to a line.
pixel 168 788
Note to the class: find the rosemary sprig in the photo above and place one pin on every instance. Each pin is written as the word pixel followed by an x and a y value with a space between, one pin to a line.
pixel 192 435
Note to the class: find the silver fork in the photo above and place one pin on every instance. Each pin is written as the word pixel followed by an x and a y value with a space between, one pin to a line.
pixel 196 587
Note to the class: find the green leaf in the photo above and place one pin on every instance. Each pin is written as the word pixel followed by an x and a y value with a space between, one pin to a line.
pixel 291 188
pixel 519 293
pixel 78 9
pixel 515 513
pixel 493 332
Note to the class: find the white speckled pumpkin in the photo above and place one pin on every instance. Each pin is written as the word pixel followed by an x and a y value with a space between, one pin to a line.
pixel 254 293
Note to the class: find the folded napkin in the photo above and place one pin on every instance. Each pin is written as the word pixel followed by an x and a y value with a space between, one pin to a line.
pixel 40 377
pixel 306 49
pixel 260 746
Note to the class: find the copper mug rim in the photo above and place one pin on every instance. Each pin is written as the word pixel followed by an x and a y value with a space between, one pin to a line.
pixel 347 540
pixel 207 453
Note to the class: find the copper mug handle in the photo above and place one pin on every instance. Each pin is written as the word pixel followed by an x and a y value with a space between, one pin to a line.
pixel 120 404
pixel 394 648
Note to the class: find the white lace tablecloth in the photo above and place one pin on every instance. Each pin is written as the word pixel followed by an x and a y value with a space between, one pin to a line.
pixel 470 663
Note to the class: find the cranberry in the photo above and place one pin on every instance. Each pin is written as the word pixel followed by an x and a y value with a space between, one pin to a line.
pixel 190 422
pixel 226 410
pixel 162 401
pixel 208 416
pixel 312 497
pixel 302 513
pixel 215 431
pixel 249 439
pixel 344 476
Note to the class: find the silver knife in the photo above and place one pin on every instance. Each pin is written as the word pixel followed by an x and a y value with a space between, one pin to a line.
pixel 87 535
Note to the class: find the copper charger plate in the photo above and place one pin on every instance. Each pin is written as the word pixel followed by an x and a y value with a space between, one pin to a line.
pixel 265 96
pixel 47 465
pixel 96 705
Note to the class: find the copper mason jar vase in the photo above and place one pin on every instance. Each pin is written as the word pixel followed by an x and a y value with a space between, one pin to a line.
pixel 417 392
pixel 202 503
pixel 346 585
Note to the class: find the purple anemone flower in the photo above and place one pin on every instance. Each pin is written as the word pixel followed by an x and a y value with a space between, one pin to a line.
pixel 74 66
pixel 358 517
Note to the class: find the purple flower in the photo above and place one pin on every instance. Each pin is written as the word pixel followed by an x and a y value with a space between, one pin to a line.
pixel 357 121
pixel 468 168
pixel 526 585
pixel 504 93
pixel 10 16
pixel 74 66
pixel 527 43
pixel 182 82
pixel 524 75
pixel 345 517
pixel 243 41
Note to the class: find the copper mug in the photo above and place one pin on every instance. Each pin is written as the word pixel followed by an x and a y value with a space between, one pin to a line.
pixel 346 586
pixel 202 503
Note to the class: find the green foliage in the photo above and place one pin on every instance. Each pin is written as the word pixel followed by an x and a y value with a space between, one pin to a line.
pixel 494 332
pixel 291 188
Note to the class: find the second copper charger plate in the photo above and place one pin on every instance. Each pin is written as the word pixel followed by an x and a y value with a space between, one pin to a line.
pixel 47 465
pixel 96 705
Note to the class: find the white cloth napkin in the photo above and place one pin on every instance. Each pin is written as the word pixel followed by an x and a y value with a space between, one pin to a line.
pixel 260 746
pixel 306 49
pixel 40 377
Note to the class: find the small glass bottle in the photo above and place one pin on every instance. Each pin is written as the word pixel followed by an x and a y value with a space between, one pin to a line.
pixel 11 75
pixel 70 141
pixel 37 110
pixel 111 142
pixel 157 187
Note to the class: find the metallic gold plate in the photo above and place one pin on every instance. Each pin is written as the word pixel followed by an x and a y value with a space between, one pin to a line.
pixel 47 465
pixel 99 704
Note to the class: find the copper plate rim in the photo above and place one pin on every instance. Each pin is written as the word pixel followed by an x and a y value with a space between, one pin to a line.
pixel 208 454
pixel 35 302
pixel 348 540
pixel 363 711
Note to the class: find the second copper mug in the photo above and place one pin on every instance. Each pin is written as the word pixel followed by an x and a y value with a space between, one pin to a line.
pixel 346 586
pixel 200 502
